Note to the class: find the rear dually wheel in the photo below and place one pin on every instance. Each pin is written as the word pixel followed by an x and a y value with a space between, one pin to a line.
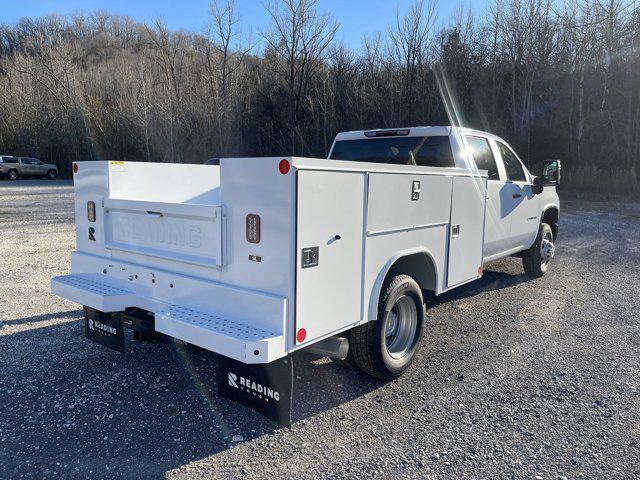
pixel 385 348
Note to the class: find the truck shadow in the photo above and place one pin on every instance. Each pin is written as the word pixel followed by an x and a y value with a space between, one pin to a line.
pixel 74 409
pixel 492 279
pixel 44 317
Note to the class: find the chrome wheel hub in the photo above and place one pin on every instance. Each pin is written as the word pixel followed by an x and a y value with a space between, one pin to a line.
pixel 547 250
pixel 401 327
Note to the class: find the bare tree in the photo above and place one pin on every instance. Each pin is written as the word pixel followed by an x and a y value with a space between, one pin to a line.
pixel 230 48
pixel 555 79
pixel 299 37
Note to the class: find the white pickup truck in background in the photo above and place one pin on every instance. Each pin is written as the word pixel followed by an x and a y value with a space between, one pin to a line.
pixel 259 257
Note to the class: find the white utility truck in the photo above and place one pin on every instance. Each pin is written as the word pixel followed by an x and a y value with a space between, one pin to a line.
pixel 259 257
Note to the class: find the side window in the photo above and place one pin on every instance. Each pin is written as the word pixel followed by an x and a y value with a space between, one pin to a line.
pixel 512 165
pixel 435 152
pixel 482 155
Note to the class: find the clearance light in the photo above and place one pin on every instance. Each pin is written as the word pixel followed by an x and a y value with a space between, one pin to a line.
pixel 91 211
pixel 284 166
pixel 302 334
pixel 387 133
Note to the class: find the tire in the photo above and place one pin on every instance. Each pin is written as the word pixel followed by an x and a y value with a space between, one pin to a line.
pixel 536 260
pixel 386 347
pixel 52 174
pixel 13 174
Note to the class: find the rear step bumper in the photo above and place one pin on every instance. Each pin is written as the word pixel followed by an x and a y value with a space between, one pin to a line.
pixel 239 339
pixel 227 337
pixel 93 291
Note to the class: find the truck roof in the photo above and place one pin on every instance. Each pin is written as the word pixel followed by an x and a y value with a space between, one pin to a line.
pixel 413 132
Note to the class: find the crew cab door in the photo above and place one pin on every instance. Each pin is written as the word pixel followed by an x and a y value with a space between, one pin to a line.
pixel 498 222
pixel 519 200
pixel 39 167
pixel 27 168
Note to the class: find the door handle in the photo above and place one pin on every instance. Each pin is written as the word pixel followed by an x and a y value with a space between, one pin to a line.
pixel 517 195
pixel 154 214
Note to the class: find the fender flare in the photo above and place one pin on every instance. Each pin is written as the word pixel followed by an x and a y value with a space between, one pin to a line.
pixel 544 210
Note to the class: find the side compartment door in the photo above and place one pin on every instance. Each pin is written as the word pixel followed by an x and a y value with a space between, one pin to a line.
pixel 328 252
pixel 466 231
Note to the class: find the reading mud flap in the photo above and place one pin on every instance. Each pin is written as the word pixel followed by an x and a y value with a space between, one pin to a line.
pixel 104 328
pixel 265 388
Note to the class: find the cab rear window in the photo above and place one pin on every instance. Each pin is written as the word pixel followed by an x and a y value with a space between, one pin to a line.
pixel 432 151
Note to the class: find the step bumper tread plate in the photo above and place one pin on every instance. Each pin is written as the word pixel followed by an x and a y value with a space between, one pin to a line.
pixel 93 290
pixel 229 337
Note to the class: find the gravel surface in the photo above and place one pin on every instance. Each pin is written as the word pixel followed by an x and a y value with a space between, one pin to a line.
pixel 516 378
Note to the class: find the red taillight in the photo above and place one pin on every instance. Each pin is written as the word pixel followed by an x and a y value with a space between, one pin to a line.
pixel 302 334
pixel 253 228
pixel 75 168
pixel 284 166
pixel 91 211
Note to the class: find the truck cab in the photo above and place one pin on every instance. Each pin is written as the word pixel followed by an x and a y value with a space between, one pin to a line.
pixel 516 205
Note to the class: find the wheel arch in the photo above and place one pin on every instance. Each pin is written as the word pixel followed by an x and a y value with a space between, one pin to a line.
pixel 551 215
pixel 418 263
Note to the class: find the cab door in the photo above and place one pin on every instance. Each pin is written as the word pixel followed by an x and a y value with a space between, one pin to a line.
pixel 26 167
pixel 498 221
pixel 521 203
pixel 39 167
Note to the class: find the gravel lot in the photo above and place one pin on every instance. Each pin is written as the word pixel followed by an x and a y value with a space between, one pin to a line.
pixel 516 378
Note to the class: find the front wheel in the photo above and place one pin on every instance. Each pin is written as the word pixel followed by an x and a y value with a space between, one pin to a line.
pixel 536 260
pixel 12 175
pixel 386 347
pixel 52 174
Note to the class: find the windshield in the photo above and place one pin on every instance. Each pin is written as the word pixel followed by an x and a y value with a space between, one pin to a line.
pixel 432 151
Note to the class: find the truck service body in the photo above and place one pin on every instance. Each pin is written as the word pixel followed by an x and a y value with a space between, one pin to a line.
pixel 259 257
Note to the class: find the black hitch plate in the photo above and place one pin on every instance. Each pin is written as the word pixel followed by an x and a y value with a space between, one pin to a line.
pixel 266 388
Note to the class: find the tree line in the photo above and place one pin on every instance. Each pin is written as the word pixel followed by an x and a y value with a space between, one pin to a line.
pixel 556 80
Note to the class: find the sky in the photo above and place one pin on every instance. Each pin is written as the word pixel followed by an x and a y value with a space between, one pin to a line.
pixel 356 17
